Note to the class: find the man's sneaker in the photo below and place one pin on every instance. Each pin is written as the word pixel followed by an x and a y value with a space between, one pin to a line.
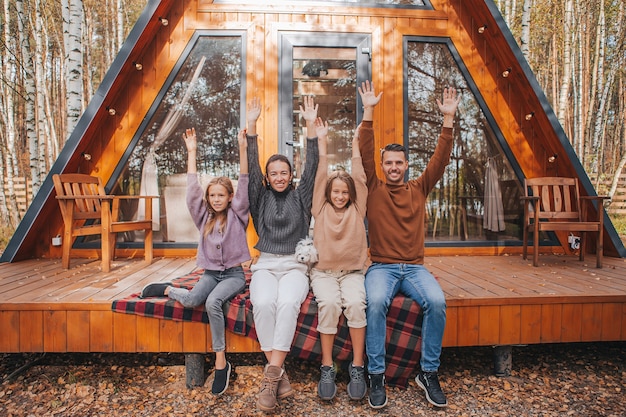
pixel 378 395
pixel 357 387
pixel 284 389
pixel 266 400
pixel 327 388
pixel 220 380
pixel 429 381
pixel 156 289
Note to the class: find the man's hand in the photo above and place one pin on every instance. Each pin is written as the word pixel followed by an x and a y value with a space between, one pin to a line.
pixel 450 101
pixel 368 95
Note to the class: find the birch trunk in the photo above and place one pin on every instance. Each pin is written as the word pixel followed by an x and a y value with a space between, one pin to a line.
pixel 9 74
pixel 567 62
pixel 25 32
pixel 73 16
pixel 525 37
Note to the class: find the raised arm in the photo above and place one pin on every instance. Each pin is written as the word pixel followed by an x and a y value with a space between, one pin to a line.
pixel 321 131
pixel 321 176
pixel 253 113
pixel 189 136
pixel 255 184
pixel 243 151
pixel 356 150
pixel 365 132
pixel 358 174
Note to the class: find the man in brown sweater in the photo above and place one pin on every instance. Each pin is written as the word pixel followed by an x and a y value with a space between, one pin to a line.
pixel 395 215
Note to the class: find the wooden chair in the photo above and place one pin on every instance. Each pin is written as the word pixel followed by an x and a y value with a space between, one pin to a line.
pixel 555 204
pixel 88 210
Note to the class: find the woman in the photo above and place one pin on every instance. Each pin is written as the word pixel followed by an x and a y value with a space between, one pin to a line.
pixel 281 214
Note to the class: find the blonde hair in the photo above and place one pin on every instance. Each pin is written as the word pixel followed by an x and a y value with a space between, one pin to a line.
pixel 222 216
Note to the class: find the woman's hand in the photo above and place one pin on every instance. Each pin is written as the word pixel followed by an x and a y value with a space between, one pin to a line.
pixel 309 112
pixel 254 110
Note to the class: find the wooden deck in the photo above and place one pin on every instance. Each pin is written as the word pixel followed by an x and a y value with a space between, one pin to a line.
pixel 492 300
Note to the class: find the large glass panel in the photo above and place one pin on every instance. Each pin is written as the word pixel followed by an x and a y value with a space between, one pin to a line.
pixel 329 75
pixel 205 93
pixel 478 196
pixel 363 2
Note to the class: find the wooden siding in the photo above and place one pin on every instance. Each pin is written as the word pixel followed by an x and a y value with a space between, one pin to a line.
pixel 492 300
pixel 159 47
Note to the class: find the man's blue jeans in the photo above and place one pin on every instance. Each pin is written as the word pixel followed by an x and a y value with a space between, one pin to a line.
pixel 382 283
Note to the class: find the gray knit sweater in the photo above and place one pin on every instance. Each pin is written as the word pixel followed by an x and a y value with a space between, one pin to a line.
pixel 281 219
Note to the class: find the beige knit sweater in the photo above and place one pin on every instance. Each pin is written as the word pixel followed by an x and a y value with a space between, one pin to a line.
pixel 339 235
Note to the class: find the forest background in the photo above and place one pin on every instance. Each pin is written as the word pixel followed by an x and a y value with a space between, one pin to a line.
pixel 54 54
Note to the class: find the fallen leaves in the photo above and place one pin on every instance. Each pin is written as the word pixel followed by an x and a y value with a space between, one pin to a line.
pixel 546 380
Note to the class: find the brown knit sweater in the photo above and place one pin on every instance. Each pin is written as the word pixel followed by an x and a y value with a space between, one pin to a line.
pixel 339 235
pixel 395 213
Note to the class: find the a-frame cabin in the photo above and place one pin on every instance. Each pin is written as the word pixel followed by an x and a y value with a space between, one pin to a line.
pixel 196 62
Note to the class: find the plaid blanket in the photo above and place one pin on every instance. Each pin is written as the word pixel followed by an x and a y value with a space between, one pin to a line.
pixel 404 323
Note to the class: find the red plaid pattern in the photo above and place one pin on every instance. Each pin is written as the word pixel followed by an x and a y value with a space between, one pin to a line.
pixel 404 324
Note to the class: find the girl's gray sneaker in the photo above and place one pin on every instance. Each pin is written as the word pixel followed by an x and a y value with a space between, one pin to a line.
pixel 357 387
pixel 326 388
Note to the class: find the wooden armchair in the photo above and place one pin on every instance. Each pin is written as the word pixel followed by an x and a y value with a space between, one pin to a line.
pixel 555 204
pixel 88 210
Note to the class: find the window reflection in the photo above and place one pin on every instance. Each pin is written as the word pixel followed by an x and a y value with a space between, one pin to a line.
pixel 364 2
pixel 329 75
pixel 205 94
pixel 478 196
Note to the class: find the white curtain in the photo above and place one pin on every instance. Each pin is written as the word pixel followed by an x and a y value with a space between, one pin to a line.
pixel 149 173
pixel 494 211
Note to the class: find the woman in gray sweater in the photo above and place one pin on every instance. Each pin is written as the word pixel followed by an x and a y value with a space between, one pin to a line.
pixel 281 214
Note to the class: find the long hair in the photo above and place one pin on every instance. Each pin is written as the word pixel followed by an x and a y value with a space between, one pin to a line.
pixel 341 175
pixel 274 158
pixel 222 216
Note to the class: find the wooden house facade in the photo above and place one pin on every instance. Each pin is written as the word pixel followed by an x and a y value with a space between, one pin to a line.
pixel 195 63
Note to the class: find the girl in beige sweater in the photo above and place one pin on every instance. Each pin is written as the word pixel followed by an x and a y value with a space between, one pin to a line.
pixel 337 280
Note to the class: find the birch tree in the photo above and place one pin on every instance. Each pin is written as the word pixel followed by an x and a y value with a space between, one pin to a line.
pixel 525 37
pixel 567 62
pixel 10 70
pixel 73 16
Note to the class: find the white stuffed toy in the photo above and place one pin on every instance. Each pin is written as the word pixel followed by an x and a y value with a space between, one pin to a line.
pixel 306 252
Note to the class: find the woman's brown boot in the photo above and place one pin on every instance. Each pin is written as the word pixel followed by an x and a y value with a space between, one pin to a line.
pixel 266 400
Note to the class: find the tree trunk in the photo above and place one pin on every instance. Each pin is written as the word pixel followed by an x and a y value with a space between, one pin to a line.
pixel 73 17
pixel 525 37
pixel 9 87
pixel 567 62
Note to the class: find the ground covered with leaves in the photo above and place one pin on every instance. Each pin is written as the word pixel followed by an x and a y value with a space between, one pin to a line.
pixel 586 379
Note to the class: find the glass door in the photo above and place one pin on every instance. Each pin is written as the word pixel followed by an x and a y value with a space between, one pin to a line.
pixel 329 67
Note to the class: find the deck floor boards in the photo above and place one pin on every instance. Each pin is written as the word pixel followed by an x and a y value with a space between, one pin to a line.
pixel 461 277
pixel 491 300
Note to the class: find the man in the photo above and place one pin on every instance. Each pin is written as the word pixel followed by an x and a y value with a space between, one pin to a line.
pixel 395 215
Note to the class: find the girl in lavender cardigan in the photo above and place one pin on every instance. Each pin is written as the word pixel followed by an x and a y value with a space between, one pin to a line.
pixel 221 216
